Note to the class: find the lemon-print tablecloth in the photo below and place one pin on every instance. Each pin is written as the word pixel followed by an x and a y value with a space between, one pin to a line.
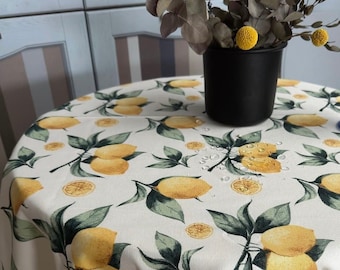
pixel 138 177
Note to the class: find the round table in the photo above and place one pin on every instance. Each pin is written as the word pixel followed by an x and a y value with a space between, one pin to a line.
pixel 138 177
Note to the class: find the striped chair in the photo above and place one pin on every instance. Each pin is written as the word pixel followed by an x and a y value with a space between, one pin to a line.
pixel 24 96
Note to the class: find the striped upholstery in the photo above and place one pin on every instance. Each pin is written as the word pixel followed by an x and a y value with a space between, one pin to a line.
pixel 144 57
pixel 32 82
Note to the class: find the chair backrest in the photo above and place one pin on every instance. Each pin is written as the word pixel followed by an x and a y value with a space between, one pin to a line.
pixel 32 82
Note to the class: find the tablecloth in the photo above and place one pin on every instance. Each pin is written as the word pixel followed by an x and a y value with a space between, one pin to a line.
pixel 138 177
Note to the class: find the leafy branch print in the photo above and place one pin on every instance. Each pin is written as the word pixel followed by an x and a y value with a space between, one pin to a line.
pixel 245 226
pixel 86 145
pixel 174 105
pixel 173 158
pixel 171 251
pixel 318 156
pixel 26 157
pixel 287 104
pixel 109 98
pixel 163 193
pixel 327 96
pixel 61 235
pixel 327 187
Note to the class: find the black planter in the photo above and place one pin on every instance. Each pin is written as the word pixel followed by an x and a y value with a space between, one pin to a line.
pixel 240 86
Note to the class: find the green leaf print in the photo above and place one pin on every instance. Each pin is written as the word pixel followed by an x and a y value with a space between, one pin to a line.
pixel 169 248
pixel 228 223
pixel 186 258
pixel 273 217
pixel 61 235
pixel 310 192
pixel 319 156
pixel 329 198
pixel 244 217
pixel 173 158
pixel 168 132
pixel 298 130
pixel 139 195
pixel 319 248
pixel 37 133
pixel 117 254
pixel 23 230
pixel 26 157
pixel 171 251
pixel 164 206
pixel 89 219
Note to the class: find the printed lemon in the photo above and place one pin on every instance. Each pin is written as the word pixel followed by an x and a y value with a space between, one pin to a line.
pixel 106 267
pixel 246 186
pixel 21 189
pixel 286 82
pixel 109 166
pixel 106 122
pixel 58 122
pixel 319 37
pixel 84 98
pixel 199 230
pixel 259 149
pixel 246 37
pixel 261 164
pixel 128 109
pixel 305 120
pixel 183 122
pixel 184 83
pixel 195 145
pixel 331 182
pixel 332 142
pixel 131 101
pixel 92 248
pixel 78 188
pixel 53 146
pixel 289 240
pixel 183 187
pixel 299 262
pixel 115 151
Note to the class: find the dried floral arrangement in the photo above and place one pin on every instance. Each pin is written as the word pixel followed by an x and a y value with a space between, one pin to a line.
pixel 242 24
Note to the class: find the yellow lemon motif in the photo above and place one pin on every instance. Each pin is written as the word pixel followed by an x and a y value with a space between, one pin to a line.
pixel 299 262
pixel 246 186
pixel 261 164
pixel 58 122
pixel 115 151
pixel 300 96
pixel 246 37
pixel 78 188
pixel 183 122
pixel 184 83
pixel 106 122
pixel 106 267
pixel 183 187
pixel 259 149
pixel 319 37
pixel 131 101
pixel 289 240
pixel 195 145
pixel 286 82
pixel 128 109
pixel 84 98
pixel 331 182
pixel 53 146
pixel 92 248
pixel 305 120
pixel 21 189
pixel 193 98
pixel 109 166
pixel 332 142
pixel 199 230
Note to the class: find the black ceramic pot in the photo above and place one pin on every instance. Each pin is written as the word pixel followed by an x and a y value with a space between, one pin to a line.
pixel 240 86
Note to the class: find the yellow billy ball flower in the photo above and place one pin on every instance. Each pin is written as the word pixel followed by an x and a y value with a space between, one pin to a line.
pixel 246 37
pixel 319 37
